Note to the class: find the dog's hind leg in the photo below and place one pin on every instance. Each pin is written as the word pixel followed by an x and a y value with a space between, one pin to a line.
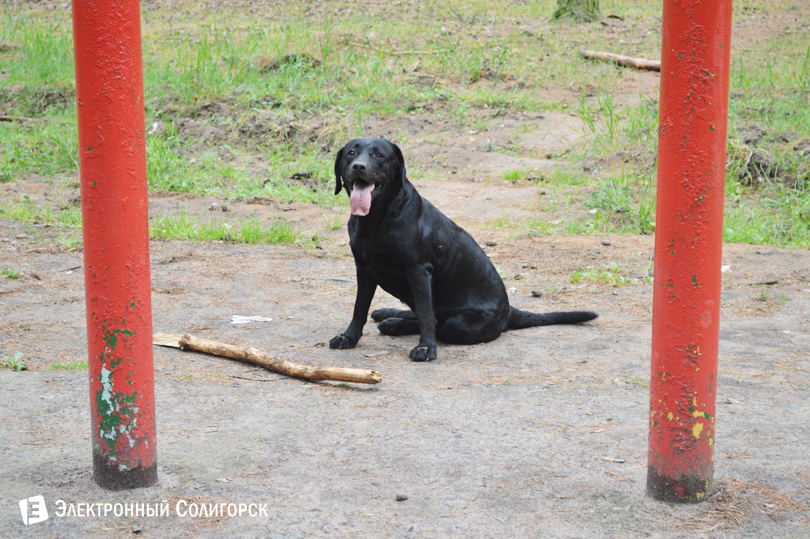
pixel 469 327
pixel 395 327
pixel 382 314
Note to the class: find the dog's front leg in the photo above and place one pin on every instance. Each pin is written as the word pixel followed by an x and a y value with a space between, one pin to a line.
pixel 420 281
pixel 366 286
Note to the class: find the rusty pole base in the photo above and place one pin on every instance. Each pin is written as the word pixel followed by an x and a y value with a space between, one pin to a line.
pixel 683 489
pixel 108 475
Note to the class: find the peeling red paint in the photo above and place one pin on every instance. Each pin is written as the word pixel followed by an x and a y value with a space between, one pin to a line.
pixel 688 247
pixel 112 162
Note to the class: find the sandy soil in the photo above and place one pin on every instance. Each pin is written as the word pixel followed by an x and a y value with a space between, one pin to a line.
pixel 505 439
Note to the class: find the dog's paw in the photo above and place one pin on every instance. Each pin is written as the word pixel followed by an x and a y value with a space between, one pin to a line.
pixel 394 327
pixel 342 342
pixel 381 314
pixel 424 352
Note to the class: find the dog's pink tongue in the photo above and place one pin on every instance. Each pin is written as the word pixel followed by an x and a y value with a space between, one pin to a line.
pixel 361 199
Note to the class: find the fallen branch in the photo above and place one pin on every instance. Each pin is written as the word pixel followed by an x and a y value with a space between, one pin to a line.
pixel 265 360
pixel 20 119
pixel 638 63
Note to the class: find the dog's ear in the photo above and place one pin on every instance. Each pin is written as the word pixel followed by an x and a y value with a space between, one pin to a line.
pixel 338 182
pixel 400 163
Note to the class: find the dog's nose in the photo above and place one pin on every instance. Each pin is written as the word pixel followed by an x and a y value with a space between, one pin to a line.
pixel 359 165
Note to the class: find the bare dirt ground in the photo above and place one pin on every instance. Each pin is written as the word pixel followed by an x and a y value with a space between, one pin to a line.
pixel 505 439
pixel 542 433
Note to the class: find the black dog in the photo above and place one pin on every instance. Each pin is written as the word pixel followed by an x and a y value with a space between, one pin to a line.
pixel 402 243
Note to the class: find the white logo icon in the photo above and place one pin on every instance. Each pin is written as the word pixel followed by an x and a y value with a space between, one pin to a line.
pixel 39 512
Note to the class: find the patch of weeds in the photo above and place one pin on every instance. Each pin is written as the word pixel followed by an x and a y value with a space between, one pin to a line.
pixel 51 148
pixel 489 147
pixel 610 121
pixel 624 204
pixel 11 273
pixel 29 211
pixel 74 365
pixel 44 52
pixel 641 125
pixel 14 363
pixel 321 196
pixel 610 275
pixel 778 215
pixel 251 231
pixel 336 223
pixel 520 175
pixel 567 176
pixel 536 226
pixel 181 226
pixel 71 239
pixel 611 127
pixel 499 223
pixel 586 113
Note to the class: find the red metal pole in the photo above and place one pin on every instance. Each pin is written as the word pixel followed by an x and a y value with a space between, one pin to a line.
pixel 112 156
pixel 688 247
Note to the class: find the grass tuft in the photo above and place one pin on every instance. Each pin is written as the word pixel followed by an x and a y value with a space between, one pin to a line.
pixel 183 227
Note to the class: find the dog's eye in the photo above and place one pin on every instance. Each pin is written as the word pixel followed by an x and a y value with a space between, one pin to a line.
pixel 379 155
pixel 351 152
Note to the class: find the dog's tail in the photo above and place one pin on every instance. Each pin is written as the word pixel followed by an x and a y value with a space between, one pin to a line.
pixel 522 319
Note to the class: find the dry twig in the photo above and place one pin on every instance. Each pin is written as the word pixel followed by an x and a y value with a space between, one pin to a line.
pixel 638 63
pixel 265 360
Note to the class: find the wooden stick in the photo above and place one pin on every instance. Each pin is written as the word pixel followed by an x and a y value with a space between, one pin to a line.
pixel 256 357
pixel 638 63
pixel 20 119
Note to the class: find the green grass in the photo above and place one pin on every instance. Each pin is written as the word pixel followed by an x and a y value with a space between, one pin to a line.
pixel 336 222
pixel 610 275
pixel 10 273
pixel 301 78
pixel 14 363
pixel 71 365
pixel 169 227
pixel 181 226
pixel 28 211
pixel 624 204
pixel 169 169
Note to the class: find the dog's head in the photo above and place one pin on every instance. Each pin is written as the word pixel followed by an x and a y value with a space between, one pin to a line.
pixel 371 170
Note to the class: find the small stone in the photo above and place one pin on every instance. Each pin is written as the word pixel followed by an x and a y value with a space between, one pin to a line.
pixel 537 294
pixel 401 497
pixel 491 243
pixel 606 242
pixel 224 207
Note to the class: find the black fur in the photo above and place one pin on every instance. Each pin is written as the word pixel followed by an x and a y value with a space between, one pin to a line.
pixel 410 249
